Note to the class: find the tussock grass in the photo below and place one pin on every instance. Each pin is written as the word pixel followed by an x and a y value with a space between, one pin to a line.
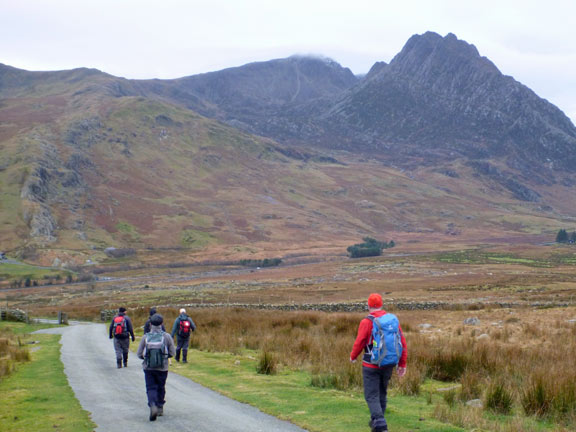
pixel 522 370
pixel 11 352
pixel 499 397
pixel 267 364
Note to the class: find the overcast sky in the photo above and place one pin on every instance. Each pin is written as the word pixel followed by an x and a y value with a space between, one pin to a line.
pixel 533 41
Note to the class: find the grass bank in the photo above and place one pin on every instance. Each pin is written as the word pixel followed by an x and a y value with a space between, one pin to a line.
pixel 37 397
pixel 288 395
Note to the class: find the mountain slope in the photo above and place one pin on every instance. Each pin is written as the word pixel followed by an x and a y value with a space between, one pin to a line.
pixel 437 144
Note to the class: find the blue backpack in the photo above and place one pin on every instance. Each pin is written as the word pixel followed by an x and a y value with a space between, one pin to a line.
pixel 386 340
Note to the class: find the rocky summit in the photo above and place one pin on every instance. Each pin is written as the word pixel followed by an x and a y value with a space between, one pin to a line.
pixel 438 142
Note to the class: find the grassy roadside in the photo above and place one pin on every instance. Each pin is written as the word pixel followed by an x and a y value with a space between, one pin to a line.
pixel 289 396
pixel 37 396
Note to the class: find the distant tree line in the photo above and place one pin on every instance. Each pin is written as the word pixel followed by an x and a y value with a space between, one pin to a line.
pixel 564 237
pixel 370 247
pixel 266 262
pixel 51 280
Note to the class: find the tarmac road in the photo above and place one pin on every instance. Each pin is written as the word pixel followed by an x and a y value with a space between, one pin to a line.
pixel 116 398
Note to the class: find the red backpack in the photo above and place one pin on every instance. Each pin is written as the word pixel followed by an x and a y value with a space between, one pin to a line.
pixel 185 327
pixel 120 326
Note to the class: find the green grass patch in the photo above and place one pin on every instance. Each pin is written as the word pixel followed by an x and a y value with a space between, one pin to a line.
pixel 129 230
pixel 196 239
pixel 37 396
pixel 288 395
pixel 23 271
pixel 476 257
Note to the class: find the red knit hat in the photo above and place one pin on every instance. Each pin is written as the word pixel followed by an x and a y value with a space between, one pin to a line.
pixel 375 301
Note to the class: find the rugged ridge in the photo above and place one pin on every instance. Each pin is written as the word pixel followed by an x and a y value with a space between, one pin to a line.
pixel 439 94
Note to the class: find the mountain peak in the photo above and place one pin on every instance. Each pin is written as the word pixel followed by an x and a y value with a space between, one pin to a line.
pixel 431 53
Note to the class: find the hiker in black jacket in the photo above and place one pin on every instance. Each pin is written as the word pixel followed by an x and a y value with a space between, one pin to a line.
pixel 183 326
pixel 121 330
pixel 147 323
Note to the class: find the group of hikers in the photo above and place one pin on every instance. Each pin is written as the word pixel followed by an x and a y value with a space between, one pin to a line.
pixel 379 336
pixel 155 349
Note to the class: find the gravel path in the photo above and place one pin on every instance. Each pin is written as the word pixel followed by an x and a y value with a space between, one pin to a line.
pixel 116 398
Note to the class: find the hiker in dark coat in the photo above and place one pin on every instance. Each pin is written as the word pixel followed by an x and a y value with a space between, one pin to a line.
pixel 183 327
pixel 121 330
pixel 147 323
pixel 155 348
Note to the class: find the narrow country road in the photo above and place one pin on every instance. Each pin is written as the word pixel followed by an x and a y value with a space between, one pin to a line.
pixel 116 398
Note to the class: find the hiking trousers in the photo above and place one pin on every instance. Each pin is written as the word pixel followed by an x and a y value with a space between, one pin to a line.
pixel 155 386
pixel 182 345
pixel 121 346
pixel 375 390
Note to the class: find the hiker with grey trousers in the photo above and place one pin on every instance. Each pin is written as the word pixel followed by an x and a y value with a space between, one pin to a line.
pixel 155 348
pixel 376 376
pixel 183 328
pixel 121 330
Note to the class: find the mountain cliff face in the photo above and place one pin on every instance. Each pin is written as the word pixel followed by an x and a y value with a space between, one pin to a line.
pixel 298 150
pixel 440 94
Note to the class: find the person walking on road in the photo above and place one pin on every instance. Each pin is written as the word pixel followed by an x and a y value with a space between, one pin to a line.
pixel 121 330
pixel 183 326
pixel 147 323
pixel 155 348
pixel 384 345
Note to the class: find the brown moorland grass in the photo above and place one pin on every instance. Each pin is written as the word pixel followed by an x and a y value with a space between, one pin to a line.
pixel 529 372
pixel 480 277
pixel 11 352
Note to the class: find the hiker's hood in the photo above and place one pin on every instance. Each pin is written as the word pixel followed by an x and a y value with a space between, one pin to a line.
pixel 155 328
pixel 183 316
pixel 378 313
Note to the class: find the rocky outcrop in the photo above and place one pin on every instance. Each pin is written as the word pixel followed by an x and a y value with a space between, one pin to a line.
pixel 36 213
pixel 83 133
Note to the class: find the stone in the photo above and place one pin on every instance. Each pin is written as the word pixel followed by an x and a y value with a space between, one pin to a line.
pixel 472 321
pixel 475 403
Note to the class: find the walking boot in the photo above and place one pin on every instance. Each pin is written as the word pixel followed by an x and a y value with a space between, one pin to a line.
pixel 160 411
pixel 153 412
pixel 177 356
pixel 119 364
pixel 184 356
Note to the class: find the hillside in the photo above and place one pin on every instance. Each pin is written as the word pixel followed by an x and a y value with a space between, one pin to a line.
pixel 280 157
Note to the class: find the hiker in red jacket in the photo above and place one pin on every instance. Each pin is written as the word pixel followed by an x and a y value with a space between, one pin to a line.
pixel 376 376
